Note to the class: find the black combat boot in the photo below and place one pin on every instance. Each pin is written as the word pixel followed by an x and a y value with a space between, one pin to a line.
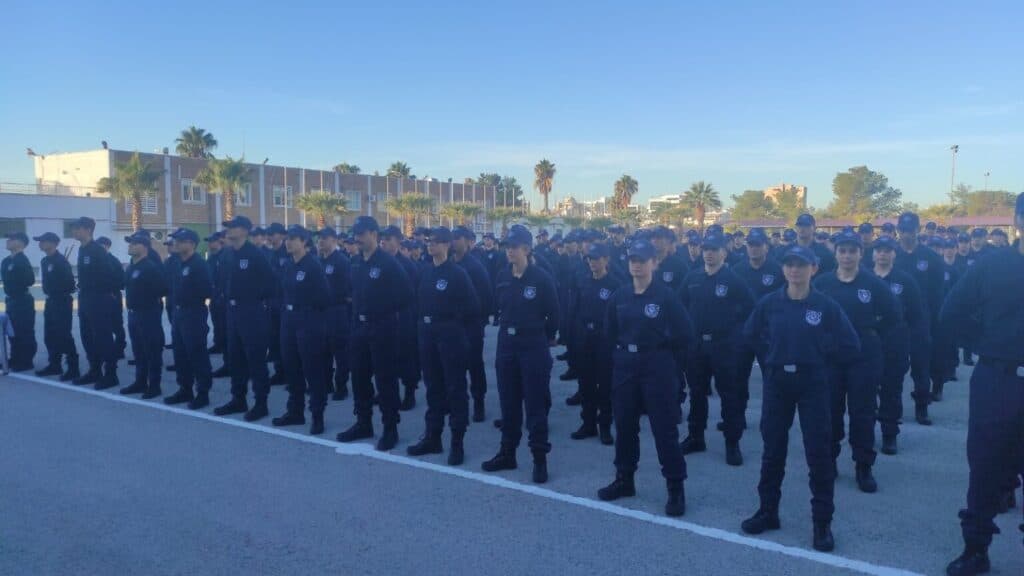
pixel 134 388
pixel 865 480
pixel 362 429
pixel 317 427
pixel 52 369
pixel 823 539
pixel 180 397
pixel 237 405
pixel 389 438
pixel 258 411
pixel 409 399
pixel 973 561
pixel 733 456
pixel 676 504
pixel 540 467
pixel 606 434
pixel 766 518
pixel 71 374
pixel 921 415
pixel 586 430
pixel 889 445
pixel 937 391
pixel 152 392
pixel 289 418
pixel 693 443
pixel 569 374
pixel 221 372
pixel 108 378
pixel 457 454
pixel 340 394
pixel 429 444
pixel 505 459
pixel 622 487
pixel 201 400
pixel 574 400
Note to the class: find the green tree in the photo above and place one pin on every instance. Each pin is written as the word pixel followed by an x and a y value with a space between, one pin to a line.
pixel 410 206
pixel 320 205
pixel 225 177
pixel 667 214
pixel 544 180
pixel 346 168
pixel 460 213
pixel 701 197
pixel 573 221
pixel 752 205
pixel 195 143
pixel 600 222
pixel 982 202
pixel 789 205
pixel 511 191
pixel 503 215
pixel 625 188
pixel 862 194
pixel 626 217
pixel 399 170
pixel 131 181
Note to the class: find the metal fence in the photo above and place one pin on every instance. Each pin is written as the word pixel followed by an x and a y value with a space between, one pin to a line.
pixel 50 188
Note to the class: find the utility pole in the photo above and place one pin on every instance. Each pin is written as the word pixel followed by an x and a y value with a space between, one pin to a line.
pixel 952 176
pixel 986 180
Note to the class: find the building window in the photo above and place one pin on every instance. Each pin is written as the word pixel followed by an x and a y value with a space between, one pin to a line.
pixel 243 197
pixel 279 194
pixel 192 193
pixel 353 200
pixel 12 225
pixel 149 205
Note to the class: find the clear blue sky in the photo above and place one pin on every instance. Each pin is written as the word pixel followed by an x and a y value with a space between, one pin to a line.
pixel 743 94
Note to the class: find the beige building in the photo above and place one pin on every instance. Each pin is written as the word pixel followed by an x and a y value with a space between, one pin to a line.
pixel 180 201
pixel 772 192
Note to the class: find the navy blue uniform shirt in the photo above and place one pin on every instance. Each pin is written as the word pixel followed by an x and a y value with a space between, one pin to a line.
pixel 96 274
pixel 380 286
pixel 304 285
pixel 171 266
pixel 17 274
pixel 191 283
pixel 671 271
pixel 718 304
pixel 761 281
pixel 649 321
pixel 248 275
pixel 481 284
pixel 116 265
pixel 812 331
pixel 925 267
pixel 867 301
pixel 144 285
pixel 58 280
pixel 446 293
pixel 908 299
pixel 595 294
pixel 338 271
pixel 528 304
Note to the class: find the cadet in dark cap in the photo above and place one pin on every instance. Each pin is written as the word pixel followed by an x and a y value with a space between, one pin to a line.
pixel 248 284
pixel 474 325
pixel 869 305
pixel 58 284
pixel 925 267
pixel 18 276
pixel 798 331
pixel 719 302
pixel 595 349
pixel 652 336
pixel 991 291
pixel 337 269
pixel 218 306
pixel 408 357
pixel 867 239
pixel 763 276
pixel 380 289
pixel 257 236
pixel 170 267
pixel 277 255
pixel 120 339
pixel 446 299
pixel 670 268
pixel 98 282
pixel 192 286
pixel 999 238
pixel 806 237
pixel 896 341
pixel 527 306
pixel 145 287
pixel 693 257
pixel 788 239
pixel 305 297
pixel 494 257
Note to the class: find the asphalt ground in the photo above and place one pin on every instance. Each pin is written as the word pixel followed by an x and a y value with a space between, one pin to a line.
pixel 96 483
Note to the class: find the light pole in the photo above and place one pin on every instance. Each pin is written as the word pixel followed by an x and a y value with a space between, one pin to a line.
pixel 952 176
pixel 986 180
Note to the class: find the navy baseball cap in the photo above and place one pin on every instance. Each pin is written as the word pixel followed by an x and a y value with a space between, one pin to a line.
pixel 713 241
pixel 489 236
pixel 597 250
pixel 365 224
pixel 789 235
pixel 821 236
pixel 139 237
pixel 238 222
pixel 185 235
pixel 801 253
pixel 998 232
pixel 963 237
pixel 463 232
pixel 692 237
pixel 936 242
pixel 84 222
pixel 950 243
pixel 888 227
pixel 421 231
pixel 440 234
pixel 616 229
pixel 738 234
pixel 297 231
pixel 641 250
pixel 757 237
pixel 276 228
pixel 885 243
pixel 866 228
pixel 805 220
pixel 349 241
pixel 257 231
pixel 103 241
pixel 327 232
pixel 979 233
pixel 848 237
pixel 393 231
pixel 543 232
pixel 908 222
pixel 931 225
pixel 407 244
pixel 18 236
pixel 214 237
pixel 519 235
pixel 47 237
pixel 715 229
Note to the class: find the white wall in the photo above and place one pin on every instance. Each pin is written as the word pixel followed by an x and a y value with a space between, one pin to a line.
pixel 74 170
pixel 44 213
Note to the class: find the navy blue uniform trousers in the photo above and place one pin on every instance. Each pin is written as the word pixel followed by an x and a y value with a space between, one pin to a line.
pixel 96 326
pixel 247 349
pixel 373 357
pixel 304 356
pixel 57 329
pixel 855 389
pixel 21 310
pixel 443 353
pixel 339 327
pixel 595 372
pixel 145 327
pixel 715 359
pixel 191 357
pixel 523 367
pixel 477 375
pixel 890 396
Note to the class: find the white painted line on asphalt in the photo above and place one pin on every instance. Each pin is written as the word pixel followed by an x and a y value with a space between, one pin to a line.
pixel 362 449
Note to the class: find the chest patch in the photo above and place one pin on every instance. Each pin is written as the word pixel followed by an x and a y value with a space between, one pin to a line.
pixel 970 261
pixel 184 271
pixel 768 279
pixel 922 265
pixel 375 272
pixel 243 264
pixel 135 274
pixel 86 260
pixel 281 261
pixel 441 285
pixel 652 310
pixel 667 276
pixel 300 275
pixel 530 292
pixel 864 295
pixel 897 289
pixel 945 276
pixel 813 317
pixel 604 293
pixel 721 290
pixel 49 267
pixel 329 269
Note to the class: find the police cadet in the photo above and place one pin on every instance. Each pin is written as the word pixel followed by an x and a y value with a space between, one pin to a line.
pixel 788 239
pixel 277 255
pixel 925 267
pixel 171 265
pixel 214 246
pixel 98 281
pixel 871 309
pixel 192 286
pixel 445 300
pixel 867 239
pixel 652 334
pixel 144 288
pixel 999 238
pixel 763 276
pixel 120 339
pixel 248 284
pixel 336 268
pixel 595 348
pixel 462 238
pixel 805 236
pixel 896 341
pixel 693 257
pixel 305 297
pixel 58 285
pixel 527 305
pixel 18 277
pixel 719 302
pixel 991 290
pixel 798 331
pixel 408 358
pixel 380 289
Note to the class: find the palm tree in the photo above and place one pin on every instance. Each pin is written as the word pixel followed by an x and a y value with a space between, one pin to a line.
pixel 468 182
pixel 321 205
pixel 195 143
pixel 225 177
pixel 399 170
pixel 625 188
pixel 600 222
pixel 346 168
pixel 544 180
pixel 503 214
pixel 461 212
pixel 131 181
pixel 409 207
pixel 625 217
pixel 701 197
pixel 666 214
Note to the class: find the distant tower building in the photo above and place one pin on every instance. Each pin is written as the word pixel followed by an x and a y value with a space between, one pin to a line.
pixel 772 192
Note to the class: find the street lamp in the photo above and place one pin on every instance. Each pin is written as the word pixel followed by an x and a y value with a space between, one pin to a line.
pixel 952 177
pixel 986 180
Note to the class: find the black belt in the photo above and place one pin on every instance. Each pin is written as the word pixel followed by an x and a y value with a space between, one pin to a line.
pixel 375 317
pixel 1007 366
pixel 189 307
pixel 639 348
pixel 441 318
pixel 297 307
pixel 234 302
